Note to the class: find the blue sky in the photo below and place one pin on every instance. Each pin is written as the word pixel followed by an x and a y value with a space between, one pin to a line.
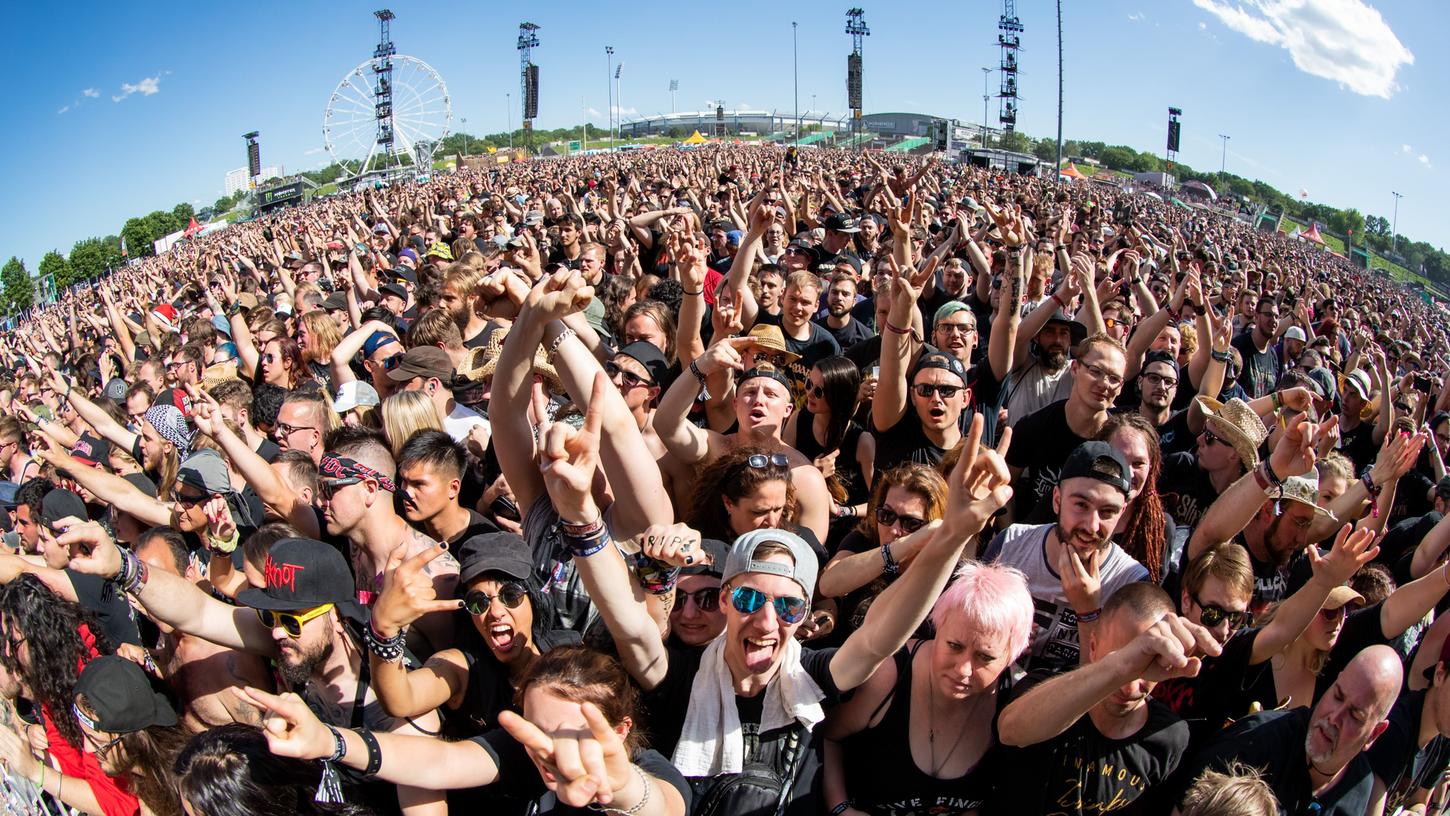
pixel 119 111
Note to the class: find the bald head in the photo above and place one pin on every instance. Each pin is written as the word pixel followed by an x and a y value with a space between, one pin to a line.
pixel 1349 716
pixel 1378 668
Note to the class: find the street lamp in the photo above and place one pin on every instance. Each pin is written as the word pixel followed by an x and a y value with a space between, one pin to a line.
pixel 508 104
pixel 1395 224
pixel 795 69
pixel 465 136
pixel 1223 163
pixel 609 69
pixel 986 98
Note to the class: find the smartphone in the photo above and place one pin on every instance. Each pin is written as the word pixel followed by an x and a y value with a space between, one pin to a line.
pixel 1422 383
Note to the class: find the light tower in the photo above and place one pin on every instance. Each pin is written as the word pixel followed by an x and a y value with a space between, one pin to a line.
pixel 383 86
pixel 1010 41
pixel 254 158
pixel 528 78
pixel 1174 129
pixel 856 27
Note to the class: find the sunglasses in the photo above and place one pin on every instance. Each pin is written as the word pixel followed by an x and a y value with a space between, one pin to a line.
pixel 291 622
pixel 188 501
pixel 748 601
pixel 706 600
pixel 631 379
pixel 1332 615
pixel 393 362
pixel 925 390
pixel 761 461
pixel 329 487
pixel 512 593
pixel 1212 439
pixel 887 517
pixel 1213 615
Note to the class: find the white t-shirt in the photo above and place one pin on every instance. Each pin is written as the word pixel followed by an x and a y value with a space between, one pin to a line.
pixel 1054 622
pixel 461 420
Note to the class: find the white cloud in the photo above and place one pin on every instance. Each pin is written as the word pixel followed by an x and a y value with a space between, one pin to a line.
pixel 313 151
pixel 1345 41
pixel 1136 16
pixel 1425 160
pixel 63 110
pixel 91 92
pixel 594 113
pixel 1406 149
pixel 1203 26
pixel 146 87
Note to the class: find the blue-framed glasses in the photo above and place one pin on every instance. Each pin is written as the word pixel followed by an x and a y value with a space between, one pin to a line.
pixel 748 601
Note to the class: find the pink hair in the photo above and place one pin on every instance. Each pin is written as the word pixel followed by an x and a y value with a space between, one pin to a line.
pixel 993 598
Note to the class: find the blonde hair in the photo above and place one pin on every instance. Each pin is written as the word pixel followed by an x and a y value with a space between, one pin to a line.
pixel 1239 792
pixel 406 413
pixel 322 336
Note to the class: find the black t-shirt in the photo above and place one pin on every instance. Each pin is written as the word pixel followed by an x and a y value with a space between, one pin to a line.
pixel 1175 435
pixel 1273 742
pixel 1041 443
pixel 101 598
pixel 1185 489
pixel 518 777
pixel 668 703
pixel 1080 771
pixel 1261 368
pixel 1359 445
pixel 848 335
pixel 1396 756
pixel 815 348
pixel 268 450
pixel 1398 546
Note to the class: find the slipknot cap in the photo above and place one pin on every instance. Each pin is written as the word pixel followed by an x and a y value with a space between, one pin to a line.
pixel 302 573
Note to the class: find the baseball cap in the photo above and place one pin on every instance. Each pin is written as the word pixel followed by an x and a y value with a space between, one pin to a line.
pixel 1295 333
pixel 395 290
pixel 1341 595
pixel 764 369
pixel 1161 357
pixel 302 573
pixel 59 504
pixel 121 697
pixel 116 389
pixel 91 451
pixel 1100 461
pixel 840 222
pixel 940 360
pixel 423 361
pixel 648 355
pixel 505 553
pixel 741 558
pixel 355 394
pixel 1359 381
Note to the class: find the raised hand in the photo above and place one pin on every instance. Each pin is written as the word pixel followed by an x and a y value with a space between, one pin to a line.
pixel 92 550
pixel 1169 648
pixel 1352 549
pixel 723 354
pixel 502 293
pixel 979 485
pixel 1294 455
pixel 292 730
pixel 408 593
pixel 568 459
pixel 559 295
pixel 582 767
pixel 1398 454
pixel 675 544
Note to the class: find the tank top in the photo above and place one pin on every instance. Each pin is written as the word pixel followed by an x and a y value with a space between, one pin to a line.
pixel 847 468
pixel 884 780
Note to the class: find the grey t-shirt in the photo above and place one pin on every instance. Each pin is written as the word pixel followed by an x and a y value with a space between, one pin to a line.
pixel 1054 623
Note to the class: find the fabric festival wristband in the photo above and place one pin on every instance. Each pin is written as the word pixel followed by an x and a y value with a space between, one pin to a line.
pixel 894 329
pixel 583 547
pixel 1089 617
pixel 224 545
pixel 655 577
pixel 390 649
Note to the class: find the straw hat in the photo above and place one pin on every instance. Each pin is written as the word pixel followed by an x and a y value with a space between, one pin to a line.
pixel 483 361
pixel 1235 423
pixel 1302 489
pixel 770 338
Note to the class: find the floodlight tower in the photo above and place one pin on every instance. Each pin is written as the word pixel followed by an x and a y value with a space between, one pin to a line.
pixel 856 27
pixel 383 85
pixel 528 77
pixel 1010 41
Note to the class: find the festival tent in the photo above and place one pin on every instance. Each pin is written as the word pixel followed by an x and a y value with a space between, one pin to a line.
pixel 1312 234
pixel 193 228
pixel 1071 172
pixel 695 139
pixel 1201 188
pixel 1153 195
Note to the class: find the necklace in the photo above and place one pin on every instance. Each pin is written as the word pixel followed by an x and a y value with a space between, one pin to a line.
pixel 931 730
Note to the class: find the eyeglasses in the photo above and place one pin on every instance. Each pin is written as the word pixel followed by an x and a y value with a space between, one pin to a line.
pixel 1209 437
pixel 1159 379
pixel 267 358
pixel 816 391
pixel 707 600
pixel 760 461
pixel 631 379
pixel 887 517
pixel 287 430
pixel 512 593
pixel 956 328
pixel 291 622
pixel 1103 375
pixel 1333 615
pixel 1213 615
pixel 925 390
pixel 748 601
pixel 329 487
pixel 188 501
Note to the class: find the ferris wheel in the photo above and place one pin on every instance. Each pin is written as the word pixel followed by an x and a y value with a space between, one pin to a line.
pixel 388 112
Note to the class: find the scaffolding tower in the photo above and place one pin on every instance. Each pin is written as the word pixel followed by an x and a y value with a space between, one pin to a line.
pixel 1010 41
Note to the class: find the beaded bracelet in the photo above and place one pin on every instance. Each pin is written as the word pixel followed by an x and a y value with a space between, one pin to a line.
pixel 554 346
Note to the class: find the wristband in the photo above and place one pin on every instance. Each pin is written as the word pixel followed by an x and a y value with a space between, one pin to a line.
pixel 554 346
pixel 339 749
pixel 133 574
pixel 1278 403
pixel 638 806
pixel 585 546
pixel 894 329
pixel 841 808
pixel 581 529
pixel 388 649
pixel 1220 356
pixel 224 545
pixel 1089 617
pixel 375 752
pixel 1174 315
pixel 1369 484
pixel 655 577
pixel 1060 302
pixel 888 563
pixel 688 293
pixel 695 369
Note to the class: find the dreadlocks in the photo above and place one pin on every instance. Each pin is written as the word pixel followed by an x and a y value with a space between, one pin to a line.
pixel 1145 531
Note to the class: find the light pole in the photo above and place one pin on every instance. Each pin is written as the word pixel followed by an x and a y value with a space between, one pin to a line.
pixel 674 86
pixel 619 103
pixel 609 69
pixel 795 69
pixel 1058 168
pixel 1395 224
pixel 508 106
pixel 1223 163
pixel 986 98
pixel 465 136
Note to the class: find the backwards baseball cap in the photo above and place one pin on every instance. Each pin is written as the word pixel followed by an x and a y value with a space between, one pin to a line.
pixel 59 504
pixel 741 558
pixel 423 361
pixel 1295 333
pixel 91 451
pixel 1158 356
pixel 121 697
pixel 648 355
pixel 764 369
pixel 1359 381
pixel 1100 461
pixel 939 360
pixel 302 573
pixel 504 553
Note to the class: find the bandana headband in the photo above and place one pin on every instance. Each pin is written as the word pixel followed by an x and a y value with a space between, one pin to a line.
pixel 341 467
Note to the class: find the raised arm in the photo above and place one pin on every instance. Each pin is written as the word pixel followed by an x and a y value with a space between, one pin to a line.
pixel 1352 549
pixel 892 399
pixel 108 487
pixel 681 438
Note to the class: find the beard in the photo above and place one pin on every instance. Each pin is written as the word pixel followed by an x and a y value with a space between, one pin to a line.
pixel 1053 359
pixel 1271 543
pixel 838 309
pixel 1081 539
pixel 296 670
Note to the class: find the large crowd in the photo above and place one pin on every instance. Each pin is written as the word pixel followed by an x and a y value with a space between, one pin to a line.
pixel 719 481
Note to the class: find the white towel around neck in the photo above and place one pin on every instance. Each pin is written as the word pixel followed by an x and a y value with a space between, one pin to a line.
pixel 711 741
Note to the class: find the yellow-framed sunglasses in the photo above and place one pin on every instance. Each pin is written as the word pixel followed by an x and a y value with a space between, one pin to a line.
pixel 289 621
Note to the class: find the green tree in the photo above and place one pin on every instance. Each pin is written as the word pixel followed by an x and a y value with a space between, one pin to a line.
pixel 183 213
pixel 54 264
pixel 1348 221
pixel 1046 149
pixel 137 236
pixel 19 289
pixel 90 258
pixel 1016 141
pixel 1117 158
